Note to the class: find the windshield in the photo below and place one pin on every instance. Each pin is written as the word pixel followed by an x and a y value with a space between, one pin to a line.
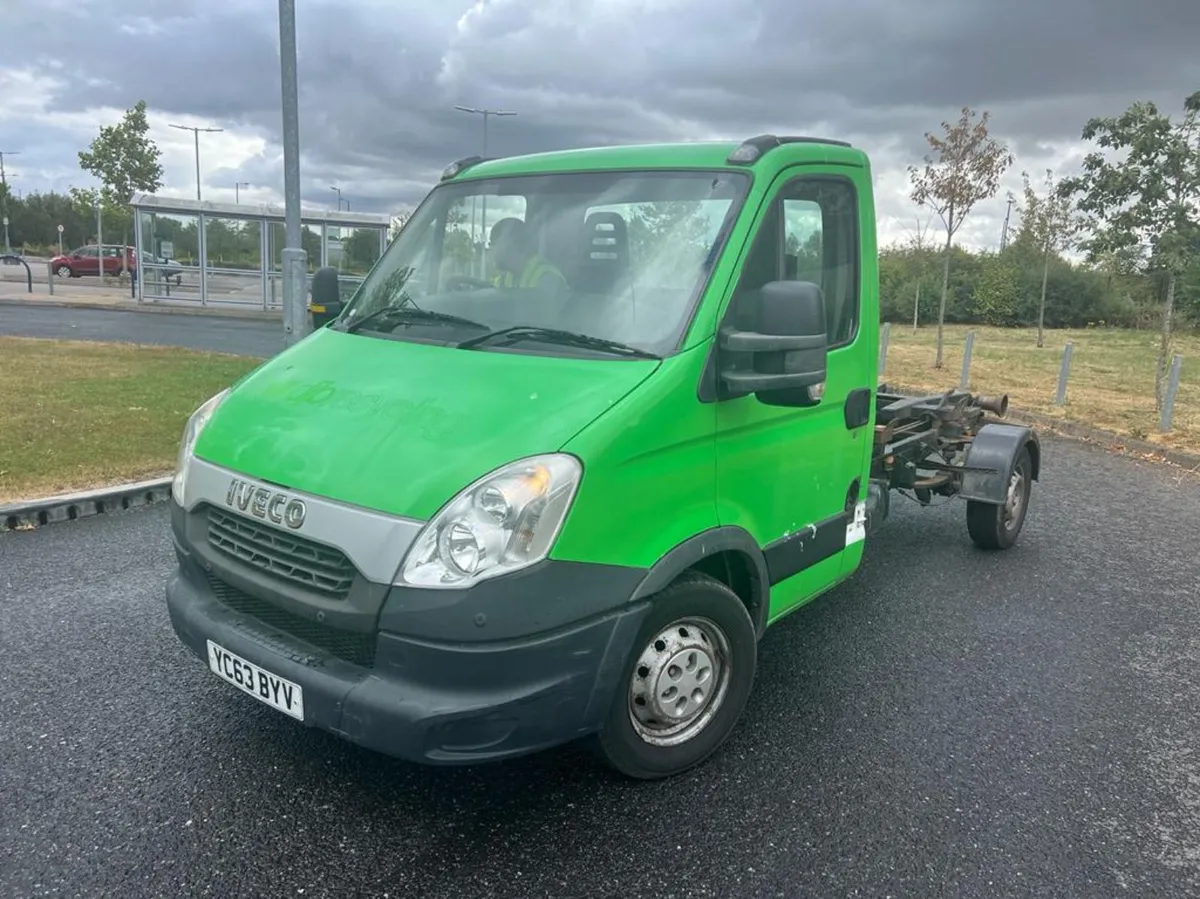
pixel 616 257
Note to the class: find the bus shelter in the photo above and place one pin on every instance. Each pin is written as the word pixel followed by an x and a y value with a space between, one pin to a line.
pixel 231 254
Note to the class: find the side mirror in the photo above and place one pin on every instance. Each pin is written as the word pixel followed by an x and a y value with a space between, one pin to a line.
pixel 781 358
pixel 325 304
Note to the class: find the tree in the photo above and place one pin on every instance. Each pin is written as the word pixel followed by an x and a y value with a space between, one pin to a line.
pixel 997 292
pixel 125 160
pixel 967 169
pixel 1050 224
pixel 916 242
pixel 1148 201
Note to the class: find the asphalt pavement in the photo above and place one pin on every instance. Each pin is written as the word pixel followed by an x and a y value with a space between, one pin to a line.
pixel 197 331
pixel 950 723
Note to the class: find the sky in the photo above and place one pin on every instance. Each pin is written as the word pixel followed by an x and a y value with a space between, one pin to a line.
pixel 379 80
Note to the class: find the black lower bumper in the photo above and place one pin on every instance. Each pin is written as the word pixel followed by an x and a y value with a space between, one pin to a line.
pixel 425 701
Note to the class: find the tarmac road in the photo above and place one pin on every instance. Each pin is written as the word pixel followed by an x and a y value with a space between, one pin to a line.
pixel 950 723
pixel 207 331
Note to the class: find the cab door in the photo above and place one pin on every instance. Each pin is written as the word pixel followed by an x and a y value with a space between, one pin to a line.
pixel 793 476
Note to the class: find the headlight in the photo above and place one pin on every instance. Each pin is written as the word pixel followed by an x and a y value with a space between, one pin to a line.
pixel 503 522
pixel 191 432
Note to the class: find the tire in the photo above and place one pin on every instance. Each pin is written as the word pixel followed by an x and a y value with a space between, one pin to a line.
pixel 694 621
pixel 998 525
pixel 64 271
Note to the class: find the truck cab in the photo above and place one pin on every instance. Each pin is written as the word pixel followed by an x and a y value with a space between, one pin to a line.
pixel 593 423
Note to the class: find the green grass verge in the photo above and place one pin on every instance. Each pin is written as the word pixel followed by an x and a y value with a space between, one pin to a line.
pixel 1111 383
pixel 76 415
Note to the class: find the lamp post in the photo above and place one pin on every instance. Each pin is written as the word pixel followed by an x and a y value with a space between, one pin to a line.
pixel 295 261
pixel 339 193
pixel 485 113
pixel 4 186
pixel 236 194
pixel 196 132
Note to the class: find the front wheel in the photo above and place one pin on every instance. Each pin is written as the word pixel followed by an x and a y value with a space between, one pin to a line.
pixel 63 271
pixel 685 683
pixel 997 525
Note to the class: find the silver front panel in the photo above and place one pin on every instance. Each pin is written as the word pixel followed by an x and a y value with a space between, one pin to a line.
pixel 374 542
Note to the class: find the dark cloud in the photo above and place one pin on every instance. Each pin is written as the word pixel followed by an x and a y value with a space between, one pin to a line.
pixel 379 79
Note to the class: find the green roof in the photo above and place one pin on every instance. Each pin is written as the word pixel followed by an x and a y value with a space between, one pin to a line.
pixel 679 155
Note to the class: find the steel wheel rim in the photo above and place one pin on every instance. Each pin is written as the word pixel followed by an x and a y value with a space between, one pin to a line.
pixel 679 681
pixel 1014 500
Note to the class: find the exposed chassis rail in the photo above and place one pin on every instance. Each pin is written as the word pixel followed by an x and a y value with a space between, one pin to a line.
pixel 922 442
pixel 953 444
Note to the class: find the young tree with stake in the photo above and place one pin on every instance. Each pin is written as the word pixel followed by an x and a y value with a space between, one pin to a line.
pixel 1052 227
pixel 125 160
pixel 1147 202
pixel 968 167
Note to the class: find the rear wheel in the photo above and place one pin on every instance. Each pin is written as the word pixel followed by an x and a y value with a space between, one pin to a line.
pixel 997 525
pixel 685 683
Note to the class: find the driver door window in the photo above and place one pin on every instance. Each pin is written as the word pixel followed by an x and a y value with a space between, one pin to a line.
pixel 469 224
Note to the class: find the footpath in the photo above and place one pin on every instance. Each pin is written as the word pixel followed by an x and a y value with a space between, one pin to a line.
pixel 112 295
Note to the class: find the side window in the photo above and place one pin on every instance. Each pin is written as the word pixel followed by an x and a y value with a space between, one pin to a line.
pixel 811 234
pixel 469 225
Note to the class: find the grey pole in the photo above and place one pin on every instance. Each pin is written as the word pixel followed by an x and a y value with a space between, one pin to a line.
pixel 884 333
pixel 483 222
pixel 100 236
pixel 295 259
pixel 1168 408
pixel 965 377
pixel 196 132
pixel 4 184
pixel 1063 374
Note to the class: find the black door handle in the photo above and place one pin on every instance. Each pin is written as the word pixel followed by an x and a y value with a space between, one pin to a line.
pixel 857 410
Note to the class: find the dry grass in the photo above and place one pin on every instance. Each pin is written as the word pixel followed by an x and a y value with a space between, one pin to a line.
pixel 76 415
pixel 1111 383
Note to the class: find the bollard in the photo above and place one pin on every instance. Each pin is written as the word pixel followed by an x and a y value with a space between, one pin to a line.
pixel 50 277
pixel 1168 408
pixel 965 378
pixel 1063 372
pixel 883 345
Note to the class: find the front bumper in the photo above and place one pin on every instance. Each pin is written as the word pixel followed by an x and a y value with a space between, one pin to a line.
pixel 423 700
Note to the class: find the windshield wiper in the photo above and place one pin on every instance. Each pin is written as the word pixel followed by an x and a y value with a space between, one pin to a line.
pixel 558 336
pixel 410 314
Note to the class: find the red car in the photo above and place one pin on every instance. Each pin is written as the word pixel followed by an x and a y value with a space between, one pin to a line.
pixel 86 261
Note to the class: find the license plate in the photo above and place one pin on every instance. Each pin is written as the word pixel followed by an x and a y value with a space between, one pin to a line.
pixel 277 692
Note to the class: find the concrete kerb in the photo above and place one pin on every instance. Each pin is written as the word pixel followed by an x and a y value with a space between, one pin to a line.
pixel 125 306
pixel 1073 430
pixel 30 514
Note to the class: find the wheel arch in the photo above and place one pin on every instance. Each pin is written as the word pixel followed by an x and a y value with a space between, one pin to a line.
pixel 728 554
pixel 992 454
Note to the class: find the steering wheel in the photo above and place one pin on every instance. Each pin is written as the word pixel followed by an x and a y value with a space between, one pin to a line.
pixel 466 282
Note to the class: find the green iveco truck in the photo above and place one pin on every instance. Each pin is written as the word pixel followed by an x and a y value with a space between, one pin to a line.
pixel 593 423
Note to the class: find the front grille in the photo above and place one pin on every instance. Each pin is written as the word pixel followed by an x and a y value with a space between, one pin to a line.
pixel 356 648
pixel 287 556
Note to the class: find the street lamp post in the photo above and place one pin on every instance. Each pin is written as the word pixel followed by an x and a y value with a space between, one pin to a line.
pixel 4 186
pixel 295 259
pixel 196 132
pixel 485 113
pixel 339 193
pixel 236 193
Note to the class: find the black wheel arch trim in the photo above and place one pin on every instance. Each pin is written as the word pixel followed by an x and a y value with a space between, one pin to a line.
pixel 706 544
pixel 991 458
